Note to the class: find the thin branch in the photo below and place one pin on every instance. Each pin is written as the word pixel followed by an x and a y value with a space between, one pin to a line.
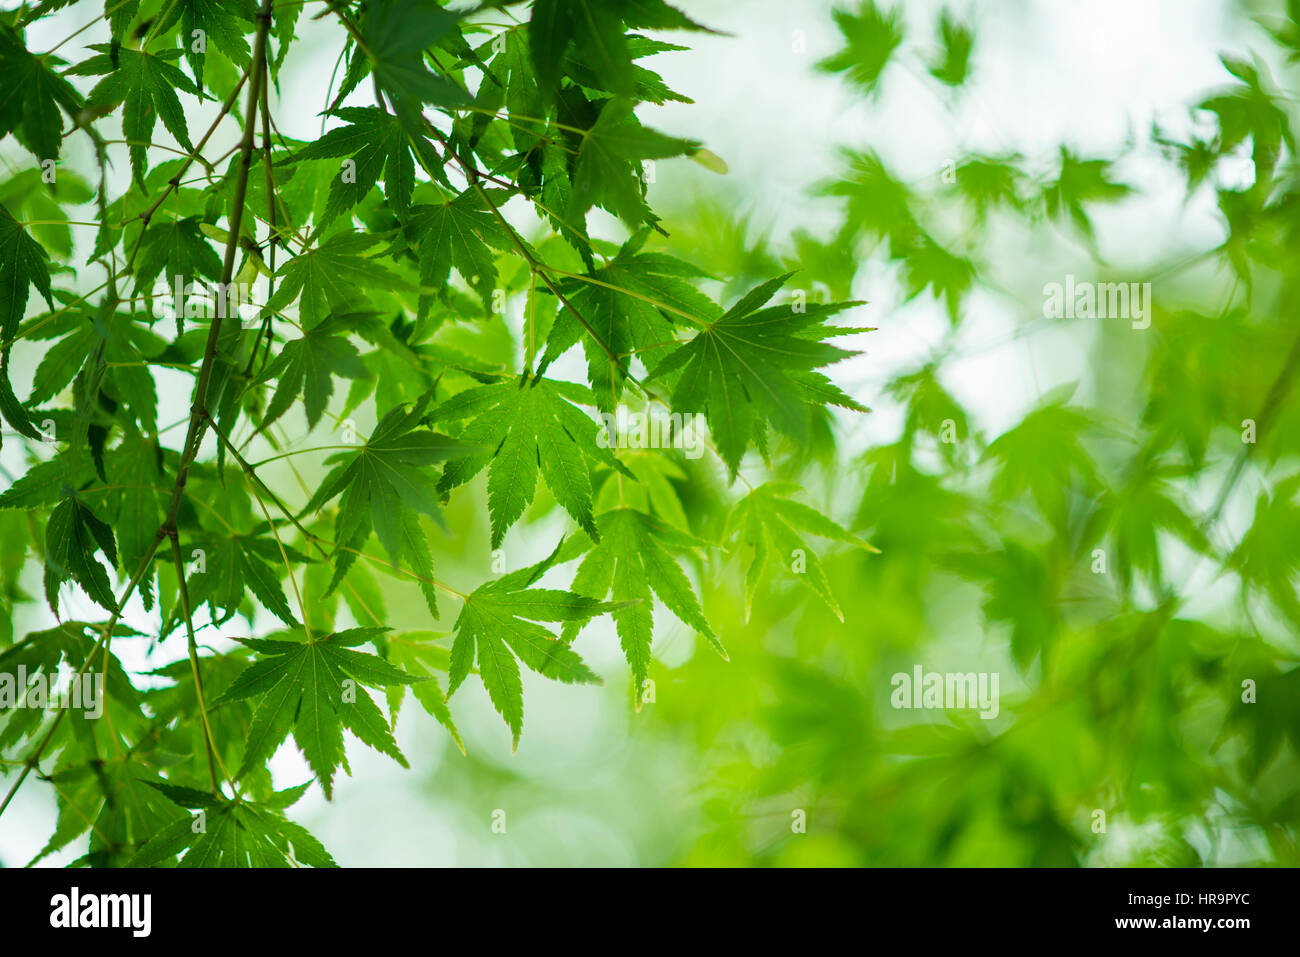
pixel 174 182
pixel 208 741
pixel 198 418
pixel 198 409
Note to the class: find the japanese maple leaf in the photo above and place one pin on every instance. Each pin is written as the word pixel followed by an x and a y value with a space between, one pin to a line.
pixel 766 526
pixel 145 85
pixel 385 485
pixel 302 689
pixel 236 833
pixel 498 627
pixel 525 427
pixel 378 145
pixel 633 305
pixel 753 367
pixel 631 561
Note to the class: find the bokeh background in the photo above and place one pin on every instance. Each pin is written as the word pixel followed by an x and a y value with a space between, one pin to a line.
pixel 1121 691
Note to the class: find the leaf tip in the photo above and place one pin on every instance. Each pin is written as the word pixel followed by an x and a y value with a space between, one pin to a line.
pixel 710 161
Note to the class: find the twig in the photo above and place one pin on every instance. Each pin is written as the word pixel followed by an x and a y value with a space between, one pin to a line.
pixel 208 742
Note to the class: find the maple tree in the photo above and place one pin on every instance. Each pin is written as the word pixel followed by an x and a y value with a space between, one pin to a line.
pixel 374 246
pixel 382 483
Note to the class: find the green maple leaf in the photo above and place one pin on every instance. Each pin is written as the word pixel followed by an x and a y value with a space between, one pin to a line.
pixel 608 171
pixel 630 562
pixel 1023 589
pixel 22 265
pixel 127 807
pixel 119 342
pixel 43 483
pixel 525 427
pixel 385 485
pixel 957 39
pixel 33 96
pixel 1080 182
pixel 656 15
pixel 397 32
pixel 594 30
pixel 557 196
pixel 216 19
pixel 83 769
pixel 236 564
pixel 766 524
pixel 307 365
pixel 284 21
pixel 1045 455
pixel 120 15
pixel 653 492
pixel 498 627
pixel 301 688
pixel 512 78
pixel 871 37
pixel 633 306
pixel 877 201
pixel 554 24
pixel 1145 509
pixel 176 249
pixel 418 653
pixel 237 833
pixel 63 648
pixel 648 86
pixel 1251 110
pixel 331 277
pixel 460 233
pixel 597 31
pixel 144 85
pixel 929 265
pixel 379 146
pixel 987 182
pixel 42 204
pixel 929 405
pixel 755 366
pixel 135 466
pixel 1266 556
pixel 72 536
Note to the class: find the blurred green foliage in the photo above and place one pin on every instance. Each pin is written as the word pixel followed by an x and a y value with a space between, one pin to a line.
pixel 1125 554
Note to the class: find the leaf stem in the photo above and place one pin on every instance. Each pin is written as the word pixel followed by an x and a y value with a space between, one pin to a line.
pixel 471 175
pixel 316 541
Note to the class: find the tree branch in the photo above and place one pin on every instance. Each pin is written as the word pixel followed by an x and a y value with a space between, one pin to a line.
pixel 198 418
pixel 208 742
